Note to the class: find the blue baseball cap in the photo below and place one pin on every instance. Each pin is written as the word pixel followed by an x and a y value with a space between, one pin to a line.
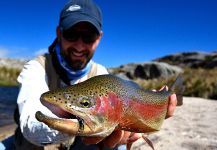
pixel 76 11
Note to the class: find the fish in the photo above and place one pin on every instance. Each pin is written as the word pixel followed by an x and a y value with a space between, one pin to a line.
pixel 104 103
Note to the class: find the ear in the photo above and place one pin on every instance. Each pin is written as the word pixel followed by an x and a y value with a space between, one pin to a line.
pixel 100 35
pixel 58 33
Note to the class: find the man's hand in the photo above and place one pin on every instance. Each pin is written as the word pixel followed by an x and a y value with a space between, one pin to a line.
pixel 171 106
pixel 118 137
pixel 172 103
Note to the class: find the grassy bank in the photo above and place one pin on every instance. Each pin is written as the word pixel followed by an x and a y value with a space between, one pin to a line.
pixel 198 82
pixel 8 76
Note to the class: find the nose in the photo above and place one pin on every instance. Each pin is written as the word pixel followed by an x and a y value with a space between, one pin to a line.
pixel 79 44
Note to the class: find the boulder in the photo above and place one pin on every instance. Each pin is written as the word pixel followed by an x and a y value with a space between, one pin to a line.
pixel 147 70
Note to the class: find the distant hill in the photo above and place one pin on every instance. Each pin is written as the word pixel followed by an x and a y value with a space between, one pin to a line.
pixel 191 59
pixel 12 63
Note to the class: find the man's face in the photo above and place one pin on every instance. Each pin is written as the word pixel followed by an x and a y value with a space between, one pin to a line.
pixel 78 44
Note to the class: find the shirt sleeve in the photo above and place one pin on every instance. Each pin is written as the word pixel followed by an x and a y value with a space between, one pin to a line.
pixel 101 70
pixel 33 83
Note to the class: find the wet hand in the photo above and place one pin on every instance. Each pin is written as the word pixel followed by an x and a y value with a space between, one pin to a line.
pixel 118 137
pixel 172 103
pixel 171 106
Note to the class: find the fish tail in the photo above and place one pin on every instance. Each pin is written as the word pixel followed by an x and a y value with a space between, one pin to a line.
pixel 178 88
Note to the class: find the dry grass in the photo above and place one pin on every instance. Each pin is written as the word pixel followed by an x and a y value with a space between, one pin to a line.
pixel 8 76
pixel 198 82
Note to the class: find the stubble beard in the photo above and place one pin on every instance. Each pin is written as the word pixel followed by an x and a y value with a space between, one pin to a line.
pixel 78 64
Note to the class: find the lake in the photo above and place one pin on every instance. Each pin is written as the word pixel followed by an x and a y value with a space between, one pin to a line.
pixel 8 96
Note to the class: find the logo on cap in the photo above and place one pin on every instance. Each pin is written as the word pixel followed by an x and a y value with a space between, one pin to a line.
pixel 74 8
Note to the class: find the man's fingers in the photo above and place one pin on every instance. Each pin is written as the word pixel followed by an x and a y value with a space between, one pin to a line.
pixel 154 90
pixel 112 140
pixel 134 137
pixel 163 88
pixel 171 106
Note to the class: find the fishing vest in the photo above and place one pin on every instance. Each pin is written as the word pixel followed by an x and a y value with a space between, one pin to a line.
pixel 54 81
pixel 53 78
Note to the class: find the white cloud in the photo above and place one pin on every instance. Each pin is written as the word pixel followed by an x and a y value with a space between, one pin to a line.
pixel 20 52
pixel 3 52
pixel 41 51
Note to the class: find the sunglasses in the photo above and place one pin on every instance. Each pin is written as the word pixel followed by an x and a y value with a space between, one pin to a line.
pixel 87 37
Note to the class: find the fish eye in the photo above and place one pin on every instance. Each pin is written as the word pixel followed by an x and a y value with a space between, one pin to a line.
pixel 85 103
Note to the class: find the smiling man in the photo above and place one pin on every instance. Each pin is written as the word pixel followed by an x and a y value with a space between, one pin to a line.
pixel 78 43
pixel 68 62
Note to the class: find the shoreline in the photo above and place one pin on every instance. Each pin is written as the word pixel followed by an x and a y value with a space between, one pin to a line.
pixel 7 131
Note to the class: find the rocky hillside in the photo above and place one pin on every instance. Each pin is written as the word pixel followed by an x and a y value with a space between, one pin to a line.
pixel 191 59
pixel 167 65
pixel 199 71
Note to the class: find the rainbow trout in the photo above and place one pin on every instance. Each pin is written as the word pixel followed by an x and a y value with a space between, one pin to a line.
pixel 106 102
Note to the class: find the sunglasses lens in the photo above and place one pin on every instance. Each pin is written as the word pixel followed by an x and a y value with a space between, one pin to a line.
pixel 87 36
pixel 70 35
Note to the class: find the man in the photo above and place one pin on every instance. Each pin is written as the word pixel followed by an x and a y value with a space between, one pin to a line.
pixel 69 62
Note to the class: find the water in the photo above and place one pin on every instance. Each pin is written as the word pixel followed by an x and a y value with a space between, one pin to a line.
pixel 8 96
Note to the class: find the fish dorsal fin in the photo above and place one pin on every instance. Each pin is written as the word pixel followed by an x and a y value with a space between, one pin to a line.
pixel 178 88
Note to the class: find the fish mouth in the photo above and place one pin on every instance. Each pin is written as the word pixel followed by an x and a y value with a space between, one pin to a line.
pixel 62 119
pixel 81 123
pixel 74 125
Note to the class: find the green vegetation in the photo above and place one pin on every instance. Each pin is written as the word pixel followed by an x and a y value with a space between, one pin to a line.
pixel 8 76
pixel 198 82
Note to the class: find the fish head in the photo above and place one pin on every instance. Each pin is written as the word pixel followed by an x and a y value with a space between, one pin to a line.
pixel 93 111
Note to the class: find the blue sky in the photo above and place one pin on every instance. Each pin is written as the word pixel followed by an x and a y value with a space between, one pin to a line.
pixel 134 30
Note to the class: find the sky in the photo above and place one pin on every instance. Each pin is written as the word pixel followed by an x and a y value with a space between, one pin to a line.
pixel 133 30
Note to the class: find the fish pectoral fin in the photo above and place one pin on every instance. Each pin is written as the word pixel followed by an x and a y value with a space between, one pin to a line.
pixel 148 142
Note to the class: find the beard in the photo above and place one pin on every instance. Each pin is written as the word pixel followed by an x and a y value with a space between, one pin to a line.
pixel 77 61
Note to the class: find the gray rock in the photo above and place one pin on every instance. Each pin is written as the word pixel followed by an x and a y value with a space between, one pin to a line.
pixel 151 70
pixel 147 70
